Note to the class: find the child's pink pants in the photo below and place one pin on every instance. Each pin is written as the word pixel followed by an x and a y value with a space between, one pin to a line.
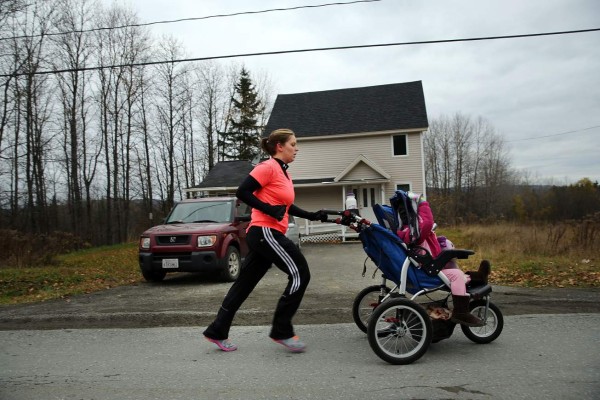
pixel 458 280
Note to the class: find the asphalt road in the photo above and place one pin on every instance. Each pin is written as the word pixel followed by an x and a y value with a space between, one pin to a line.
pixel 547 356
pixel 192 300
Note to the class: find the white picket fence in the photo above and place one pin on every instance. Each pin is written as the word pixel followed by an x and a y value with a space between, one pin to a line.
pixel 317 232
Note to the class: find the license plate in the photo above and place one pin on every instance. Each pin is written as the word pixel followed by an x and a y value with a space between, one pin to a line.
pixel 170 263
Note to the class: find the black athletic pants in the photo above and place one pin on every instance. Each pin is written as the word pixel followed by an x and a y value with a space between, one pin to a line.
pixel 267 247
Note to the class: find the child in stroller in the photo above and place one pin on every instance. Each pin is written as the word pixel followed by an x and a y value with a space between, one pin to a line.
pixel 418 228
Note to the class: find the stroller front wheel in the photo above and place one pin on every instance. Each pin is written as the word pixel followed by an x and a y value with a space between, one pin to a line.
pixel 399 331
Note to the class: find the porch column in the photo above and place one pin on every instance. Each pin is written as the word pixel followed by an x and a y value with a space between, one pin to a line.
pixel 342 227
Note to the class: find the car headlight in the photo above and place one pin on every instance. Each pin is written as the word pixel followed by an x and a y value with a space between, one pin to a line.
pixel 207 241
pixel 145 243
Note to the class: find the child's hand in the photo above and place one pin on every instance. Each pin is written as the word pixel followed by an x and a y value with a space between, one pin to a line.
pixel 416 197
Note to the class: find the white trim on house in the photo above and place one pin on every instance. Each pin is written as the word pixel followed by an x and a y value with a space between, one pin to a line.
pixel 405 143
pixel 358 134
pixel 421 135
pixel 342 183
pixel 410 185
pixel 361 158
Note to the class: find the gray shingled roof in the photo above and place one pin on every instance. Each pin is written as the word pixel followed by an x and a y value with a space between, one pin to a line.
pixel 354 110
pixel 227 174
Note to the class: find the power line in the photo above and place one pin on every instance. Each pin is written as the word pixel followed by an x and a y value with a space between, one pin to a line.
pixel 269 53
pixel 192 19
pixel 555 134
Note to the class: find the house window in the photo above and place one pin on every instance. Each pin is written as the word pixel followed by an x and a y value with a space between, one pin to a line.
pixel 400 146
pixel 403 186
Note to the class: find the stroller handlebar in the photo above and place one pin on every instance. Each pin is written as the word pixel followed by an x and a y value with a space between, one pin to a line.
pixel 349 218
pixel 333 212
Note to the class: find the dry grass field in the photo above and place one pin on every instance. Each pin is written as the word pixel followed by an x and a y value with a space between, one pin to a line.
pixel 536 255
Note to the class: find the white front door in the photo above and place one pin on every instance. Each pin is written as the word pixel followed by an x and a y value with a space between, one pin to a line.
pixel 368 196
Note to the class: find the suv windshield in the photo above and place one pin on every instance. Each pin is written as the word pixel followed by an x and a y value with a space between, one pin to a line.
pixel 205 211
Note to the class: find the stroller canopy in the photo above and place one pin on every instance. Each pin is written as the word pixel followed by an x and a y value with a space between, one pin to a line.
pixel 402 212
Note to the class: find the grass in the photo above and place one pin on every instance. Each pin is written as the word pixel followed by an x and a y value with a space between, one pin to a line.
pixel 521 255
pixel 80 272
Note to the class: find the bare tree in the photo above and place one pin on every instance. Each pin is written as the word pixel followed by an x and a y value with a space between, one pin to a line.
pixel 144 159
pixel 188 122
pixel 116 134
pixel 32 96
pixel 439 162
pixel 266 95
pixel 118 87
pixel 10 7
pixel 212 107
pixel 10 10
pixel 138 45
pixel 170 111
pixel 467 166
pixel 73 51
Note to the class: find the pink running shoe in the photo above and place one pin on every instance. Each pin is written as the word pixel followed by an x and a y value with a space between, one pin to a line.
pixel 293 344
pixel 224 345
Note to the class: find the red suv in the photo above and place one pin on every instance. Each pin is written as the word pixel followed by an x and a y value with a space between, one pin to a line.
pixel 207 234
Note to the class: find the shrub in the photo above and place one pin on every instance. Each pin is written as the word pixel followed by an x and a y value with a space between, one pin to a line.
pixel 19 249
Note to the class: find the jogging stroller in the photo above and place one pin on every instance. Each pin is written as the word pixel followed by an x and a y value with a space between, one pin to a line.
pixel 401 322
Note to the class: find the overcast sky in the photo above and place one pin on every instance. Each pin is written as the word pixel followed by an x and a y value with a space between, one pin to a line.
pixel 526 88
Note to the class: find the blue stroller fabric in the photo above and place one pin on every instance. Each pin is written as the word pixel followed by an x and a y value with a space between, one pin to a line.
pixel 388 252
pixel 386 216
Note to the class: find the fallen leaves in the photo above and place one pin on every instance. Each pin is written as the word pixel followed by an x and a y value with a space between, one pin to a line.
pixel 546 274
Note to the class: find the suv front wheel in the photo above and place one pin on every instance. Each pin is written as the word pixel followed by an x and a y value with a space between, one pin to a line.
pixel 153 275
pixel 231 264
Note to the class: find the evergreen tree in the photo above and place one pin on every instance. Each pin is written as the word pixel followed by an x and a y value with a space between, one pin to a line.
pixel 241 140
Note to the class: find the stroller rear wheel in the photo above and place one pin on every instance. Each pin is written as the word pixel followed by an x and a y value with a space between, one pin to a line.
pixel 399 331
pixel 494 322
pixel 364 304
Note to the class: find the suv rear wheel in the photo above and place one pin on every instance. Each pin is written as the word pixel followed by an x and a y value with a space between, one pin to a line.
pixel 231 264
